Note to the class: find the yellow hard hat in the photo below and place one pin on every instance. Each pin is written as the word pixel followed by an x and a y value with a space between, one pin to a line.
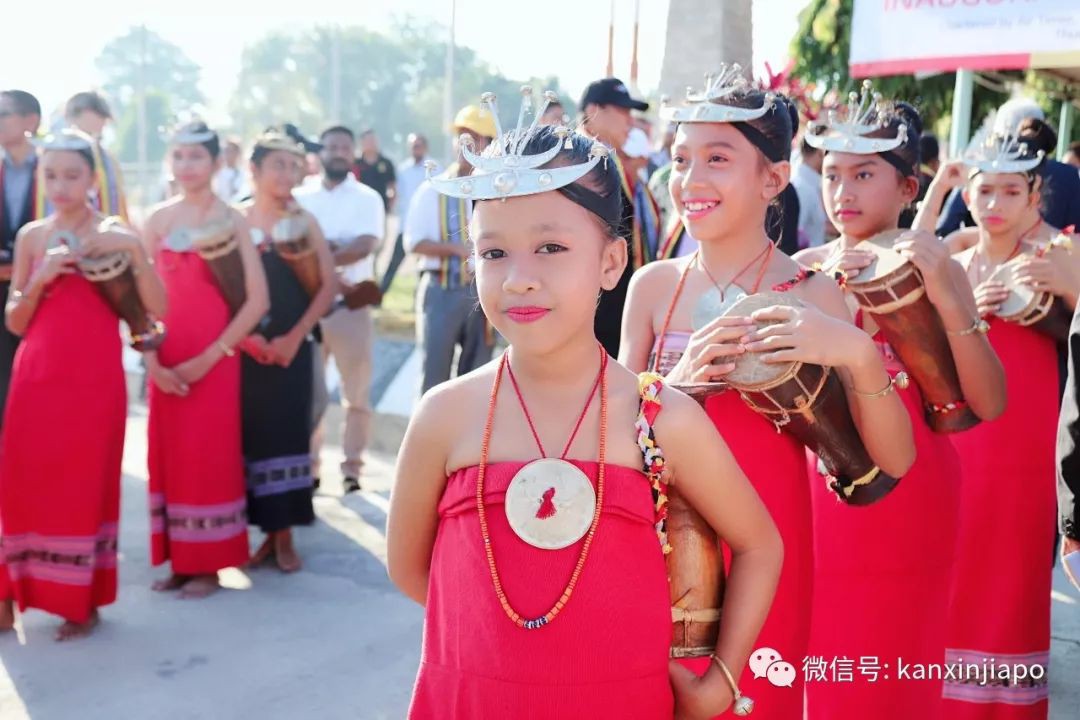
pixel 476 119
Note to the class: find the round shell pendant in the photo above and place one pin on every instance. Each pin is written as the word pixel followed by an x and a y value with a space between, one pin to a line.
pixel 712 304
pixel 550 504
pixel 179 240
pixel 63 239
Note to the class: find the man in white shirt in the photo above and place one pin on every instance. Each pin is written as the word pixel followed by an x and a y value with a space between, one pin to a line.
pixel 806 179
pixel 446 305
pixel 230 184
pixel 352 218
pixel 410 176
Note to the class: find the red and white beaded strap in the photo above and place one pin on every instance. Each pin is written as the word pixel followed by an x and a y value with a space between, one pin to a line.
pixel 649 386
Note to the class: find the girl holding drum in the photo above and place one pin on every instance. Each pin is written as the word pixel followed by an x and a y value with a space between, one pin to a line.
pixel 60 504
pixel 729 162
pixel 873 555
pixel 197 504
pixel 1000 609
pixel 544 582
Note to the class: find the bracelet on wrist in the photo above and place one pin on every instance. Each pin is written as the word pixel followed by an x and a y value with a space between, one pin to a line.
pixel 978 325
pixel 900 380
pixel 225 349
pixel 743 705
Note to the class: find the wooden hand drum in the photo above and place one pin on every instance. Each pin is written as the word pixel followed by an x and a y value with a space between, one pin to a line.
pixel 113 277
pixel 892 290
pixel 808 401
pixel 292 244
pixel 1029 307
pixel 218 244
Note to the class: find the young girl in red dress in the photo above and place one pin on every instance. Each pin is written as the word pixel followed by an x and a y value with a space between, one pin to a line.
pixel 197 503
pixel 545 604
pixel 999 611
pixel 729 162
pixel 59 509
pixel 889 565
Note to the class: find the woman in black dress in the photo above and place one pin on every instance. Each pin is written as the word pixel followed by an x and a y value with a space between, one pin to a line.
pixel 277 366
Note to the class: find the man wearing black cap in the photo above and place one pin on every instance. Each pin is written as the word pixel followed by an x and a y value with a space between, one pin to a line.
pixel 605 110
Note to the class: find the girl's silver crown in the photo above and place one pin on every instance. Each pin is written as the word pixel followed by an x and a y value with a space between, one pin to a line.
pixel 1000 153
pixel 709 104
pixel 503 169
pixel 866 112
pixel 66 139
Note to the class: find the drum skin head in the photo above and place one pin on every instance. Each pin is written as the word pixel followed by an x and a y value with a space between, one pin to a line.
pixel 291 227
pixel 1020 295
pixel 886 259
pixel 750 370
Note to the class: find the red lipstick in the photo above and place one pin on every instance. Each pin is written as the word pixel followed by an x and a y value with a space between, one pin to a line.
pixel 527 313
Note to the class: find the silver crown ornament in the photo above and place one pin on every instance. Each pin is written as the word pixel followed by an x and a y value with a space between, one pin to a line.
pixel 709 106
pixel 847 132
pixel 503 169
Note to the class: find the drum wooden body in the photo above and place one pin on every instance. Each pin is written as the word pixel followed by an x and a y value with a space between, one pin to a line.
pixel 114 279
pixel 219 246
pixel 808 402
pixel 1029 307
pixel 360 295
pixel 891 289
pixel 292 244
pixel 695 569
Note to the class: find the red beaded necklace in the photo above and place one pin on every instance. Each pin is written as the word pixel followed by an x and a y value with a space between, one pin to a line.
pixel 601 383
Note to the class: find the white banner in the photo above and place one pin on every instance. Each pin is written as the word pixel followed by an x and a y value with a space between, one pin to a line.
pixel 891 37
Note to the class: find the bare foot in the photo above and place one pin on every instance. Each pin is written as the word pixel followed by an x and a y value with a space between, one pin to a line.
pixel 173 582
pixel 199 587
pixel 7 615
pixel 287 559
pixel 71 630
pixel 264 553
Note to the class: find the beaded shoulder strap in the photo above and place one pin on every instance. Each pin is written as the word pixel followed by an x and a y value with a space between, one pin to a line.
pixel 649 386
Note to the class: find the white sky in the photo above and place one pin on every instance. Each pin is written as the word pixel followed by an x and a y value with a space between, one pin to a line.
pixel 507 33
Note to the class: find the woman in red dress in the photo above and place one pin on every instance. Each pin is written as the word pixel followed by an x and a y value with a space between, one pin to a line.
pixel 728 164
pixel 197 504
pixel 999 621
pixel 892 583
pixel 59 511
pixel 561 610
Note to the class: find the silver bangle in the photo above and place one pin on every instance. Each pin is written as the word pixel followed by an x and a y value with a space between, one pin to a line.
pixel 979 325
pixel 743 705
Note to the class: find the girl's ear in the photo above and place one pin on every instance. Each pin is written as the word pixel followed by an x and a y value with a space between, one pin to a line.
pixel 777 176
pixel 909 188
pixel 612 263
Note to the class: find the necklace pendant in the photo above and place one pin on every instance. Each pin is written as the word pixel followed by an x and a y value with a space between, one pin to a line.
pixel 62 241
pixel 179 240
pixel 550 504
pixel 713 303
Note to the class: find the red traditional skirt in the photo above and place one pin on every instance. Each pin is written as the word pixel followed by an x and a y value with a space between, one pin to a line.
pixel 999 625
pixel 60 456
pixel 197 503
pixel 881 587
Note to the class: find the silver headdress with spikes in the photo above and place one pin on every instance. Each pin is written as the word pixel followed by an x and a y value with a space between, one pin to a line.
pixel 503 170
pixel 864 114
pixel 66 139
pixel 708 106
pixel 996 153
pixel 181 134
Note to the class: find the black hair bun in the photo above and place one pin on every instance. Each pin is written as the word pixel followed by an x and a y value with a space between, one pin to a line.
pixel 910 117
